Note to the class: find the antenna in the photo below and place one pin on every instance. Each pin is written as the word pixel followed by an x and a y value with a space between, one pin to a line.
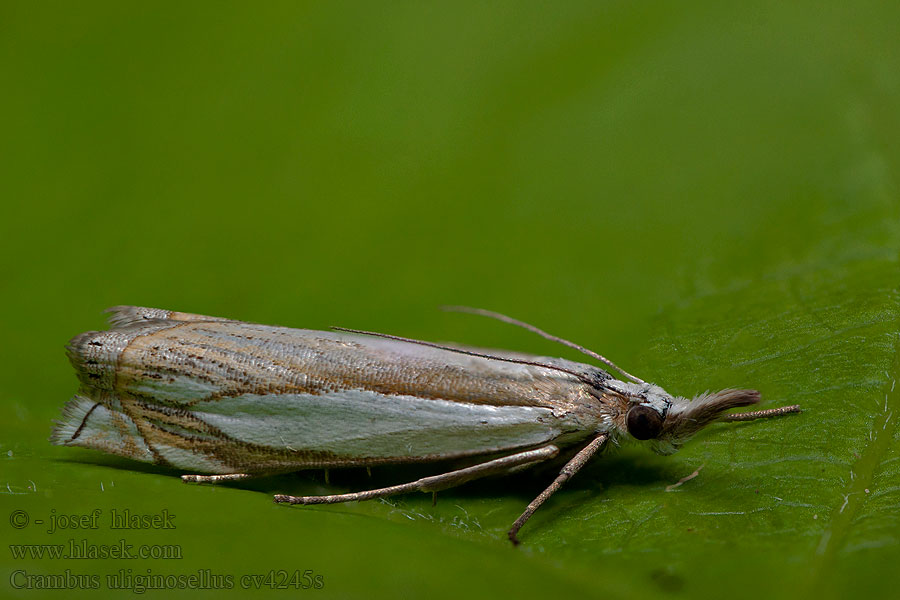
pixel 542 333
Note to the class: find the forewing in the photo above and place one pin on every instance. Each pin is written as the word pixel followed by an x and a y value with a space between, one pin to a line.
pixel 215 394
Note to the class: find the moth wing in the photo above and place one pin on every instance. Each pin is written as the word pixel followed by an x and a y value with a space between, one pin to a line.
pixel 218 395
pixel 124 316
pixel 101 425
pixel 352 427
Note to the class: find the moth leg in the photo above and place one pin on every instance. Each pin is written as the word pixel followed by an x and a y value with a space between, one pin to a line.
pixel 762 414
pixel 435 483
pixel 215 478
pixel 570 468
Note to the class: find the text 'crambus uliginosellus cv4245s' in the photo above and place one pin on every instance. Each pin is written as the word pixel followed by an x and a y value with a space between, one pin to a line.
pixel 234 399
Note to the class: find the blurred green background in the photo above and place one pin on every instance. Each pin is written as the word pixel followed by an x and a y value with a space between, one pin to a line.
pixel 705 192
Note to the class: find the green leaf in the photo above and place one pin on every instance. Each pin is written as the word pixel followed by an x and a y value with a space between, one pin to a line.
pixel 704 192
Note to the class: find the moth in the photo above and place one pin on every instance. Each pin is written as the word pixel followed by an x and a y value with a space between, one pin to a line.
pixel 225 400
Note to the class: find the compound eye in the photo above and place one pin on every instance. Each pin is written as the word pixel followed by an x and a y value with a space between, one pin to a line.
pixel 643 422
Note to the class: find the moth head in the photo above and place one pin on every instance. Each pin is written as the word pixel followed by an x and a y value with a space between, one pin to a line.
pixel 651 414
pixel 672 422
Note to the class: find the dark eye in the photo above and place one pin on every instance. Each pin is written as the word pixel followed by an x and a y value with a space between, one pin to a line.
pixel 643 422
